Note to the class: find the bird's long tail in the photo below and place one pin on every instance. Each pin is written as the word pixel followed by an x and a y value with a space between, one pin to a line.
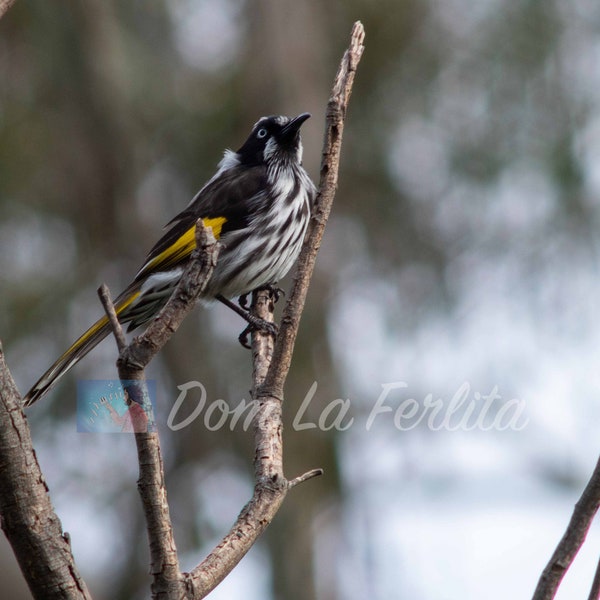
pixel 89 340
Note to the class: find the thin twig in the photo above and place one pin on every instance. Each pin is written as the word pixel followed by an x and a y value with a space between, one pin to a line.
pixel 111 313
pixel 151 484
pixel 164 564
pixel 334 128
pixel 309 475
pixel 583 515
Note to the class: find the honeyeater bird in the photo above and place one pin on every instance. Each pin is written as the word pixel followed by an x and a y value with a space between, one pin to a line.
pixel 258 205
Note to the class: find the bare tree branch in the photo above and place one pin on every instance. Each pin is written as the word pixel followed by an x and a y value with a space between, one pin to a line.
pixel 271 365
pixel 42 550
pixel 334 128
pixel 583 515
pixel 27 516
pixel 270 485
pixel 302 478
pixel 113 319
pixel 168 581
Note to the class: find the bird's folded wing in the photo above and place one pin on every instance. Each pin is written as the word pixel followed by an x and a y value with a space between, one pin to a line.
pixel 225 204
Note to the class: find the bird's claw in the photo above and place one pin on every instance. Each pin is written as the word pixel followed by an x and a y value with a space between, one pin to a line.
pixel 257 324
pixel 243 300
pixel 274 291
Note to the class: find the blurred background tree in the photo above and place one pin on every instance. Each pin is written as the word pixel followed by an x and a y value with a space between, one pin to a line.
pixel 463 248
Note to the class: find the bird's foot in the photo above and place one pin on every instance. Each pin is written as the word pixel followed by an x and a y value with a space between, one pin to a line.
pixel 257 324
pixel 274 291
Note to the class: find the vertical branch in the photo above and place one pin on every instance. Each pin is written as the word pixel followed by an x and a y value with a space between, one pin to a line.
pixel 164 563
pixel 583 515
pixel 332 146
pixel 268 440
pixel 262 344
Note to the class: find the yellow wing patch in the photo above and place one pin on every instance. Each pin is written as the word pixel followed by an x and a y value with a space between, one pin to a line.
pixel 183 246
pixel 216 225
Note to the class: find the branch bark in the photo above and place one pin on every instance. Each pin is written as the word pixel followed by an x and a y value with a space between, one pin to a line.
pixel 27 516
pixel 332 145
pixel 168 581
pixel 4 6
pixel 568 547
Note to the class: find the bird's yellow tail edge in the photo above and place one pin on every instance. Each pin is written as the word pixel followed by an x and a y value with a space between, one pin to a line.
pixel 98 331
pixel 98 325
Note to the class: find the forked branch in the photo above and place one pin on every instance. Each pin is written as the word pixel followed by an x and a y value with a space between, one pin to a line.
pixel 272 362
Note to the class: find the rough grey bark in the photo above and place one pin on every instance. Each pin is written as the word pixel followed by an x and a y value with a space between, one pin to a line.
pixel 27 516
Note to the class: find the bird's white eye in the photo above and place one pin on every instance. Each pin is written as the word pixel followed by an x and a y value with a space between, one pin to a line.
pixel 261 133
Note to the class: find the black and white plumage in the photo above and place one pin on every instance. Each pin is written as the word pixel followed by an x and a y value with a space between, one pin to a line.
pixel 258 205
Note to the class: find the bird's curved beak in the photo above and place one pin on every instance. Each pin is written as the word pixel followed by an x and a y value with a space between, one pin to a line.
pixel 290 131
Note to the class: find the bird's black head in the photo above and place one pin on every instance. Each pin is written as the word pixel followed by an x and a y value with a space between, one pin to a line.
pixel 274 138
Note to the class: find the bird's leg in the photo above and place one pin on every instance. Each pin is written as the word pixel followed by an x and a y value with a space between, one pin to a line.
pixel 275 293
pixel 254 323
